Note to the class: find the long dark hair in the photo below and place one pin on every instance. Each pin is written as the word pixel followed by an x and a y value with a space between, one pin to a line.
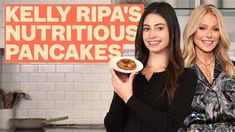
pixel 176 62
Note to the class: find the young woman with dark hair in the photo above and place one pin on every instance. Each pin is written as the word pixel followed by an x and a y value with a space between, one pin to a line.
pixel 158 98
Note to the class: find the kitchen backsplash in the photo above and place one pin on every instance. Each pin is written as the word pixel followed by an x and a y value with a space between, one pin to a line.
pixel 80 91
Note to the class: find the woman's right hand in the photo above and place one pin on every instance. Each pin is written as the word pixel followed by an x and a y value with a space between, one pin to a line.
pixel 122 85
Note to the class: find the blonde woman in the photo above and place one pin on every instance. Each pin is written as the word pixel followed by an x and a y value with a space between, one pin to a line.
pixel 206 44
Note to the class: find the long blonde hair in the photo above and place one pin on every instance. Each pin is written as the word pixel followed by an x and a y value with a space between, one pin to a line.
pixel 221 50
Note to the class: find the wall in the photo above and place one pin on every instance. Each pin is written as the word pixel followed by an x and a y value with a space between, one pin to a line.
pixel 80 91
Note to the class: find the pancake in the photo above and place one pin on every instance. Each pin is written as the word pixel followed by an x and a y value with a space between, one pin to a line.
pixel 126 64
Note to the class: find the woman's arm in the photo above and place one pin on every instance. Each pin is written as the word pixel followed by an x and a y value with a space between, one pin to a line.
pixel 115 119
pixel 170 120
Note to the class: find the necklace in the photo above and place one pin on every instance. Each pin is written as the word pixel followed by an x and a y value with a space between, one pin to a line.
pixel 206 64
pixel 207 69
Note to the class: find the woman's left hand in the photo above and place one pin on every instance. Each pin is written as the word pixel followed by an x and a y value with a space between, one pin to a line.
pixel 122 85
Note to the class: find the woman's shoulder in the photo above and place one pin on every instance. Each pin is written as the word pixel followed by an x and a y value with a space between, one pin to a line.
pixel 188 74
pixel 187 81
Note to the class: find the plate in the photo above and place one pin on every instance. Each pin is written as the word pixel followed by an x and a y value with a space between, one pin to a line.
pixel 113 64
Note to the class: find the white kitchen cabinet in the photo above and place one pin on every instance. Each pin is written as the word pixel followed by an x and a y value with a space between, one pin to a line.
pixel 57 2
pixel 184 8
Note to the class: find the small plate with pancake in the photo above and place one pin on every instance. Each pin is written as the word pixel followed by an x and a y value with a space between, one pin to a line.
pixel 125 64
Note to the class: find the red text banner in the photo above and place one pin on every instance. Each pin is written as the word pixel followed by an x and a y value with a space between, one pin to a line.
pixel 68 33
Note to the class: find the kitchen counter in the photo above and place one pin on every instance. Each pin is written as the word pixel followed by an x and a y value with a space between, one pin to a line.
pixel 73 130
pixel 68 128
pixel 62 130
